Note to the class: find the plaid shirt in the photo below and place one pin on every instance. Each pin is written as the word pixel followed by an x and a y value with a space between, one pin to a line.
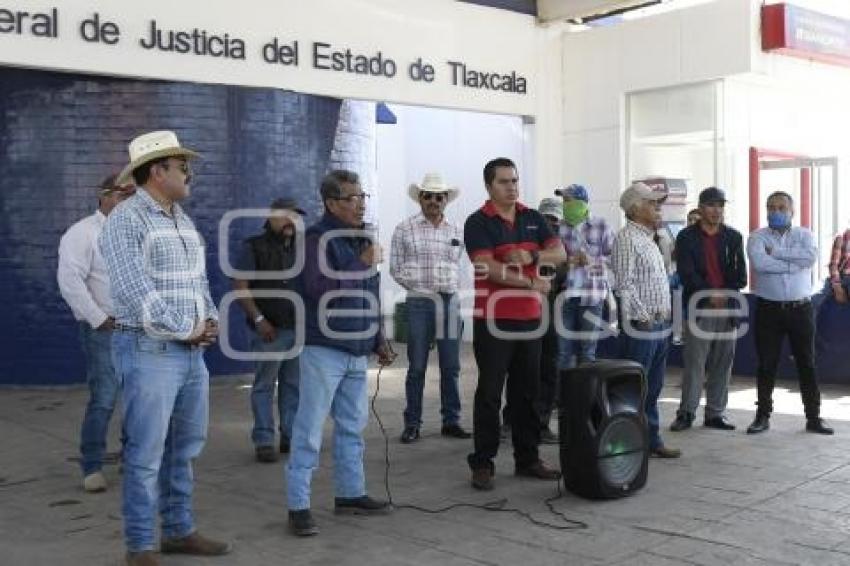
pixel 639 274
pixel 425 258
pixel 595 238
pixel 839 260
pixel 157 268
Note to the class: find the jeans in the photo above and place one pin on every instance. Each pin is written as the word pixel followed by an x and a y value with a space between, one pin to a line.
pixel 104 387
pixel 651 353
pixel 286 373
pixel 518 360
pixel 333 382
pixel 422 320
pixel 707 360
pixel 166 410
pixel 584 350
pixel 773 323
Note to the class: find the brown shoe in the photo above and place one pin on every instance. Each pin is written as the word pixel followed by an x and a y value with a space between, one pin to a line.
pixel 196 545
pixel 146 558
pixel 540 470
pixel 482 478
pixel 664 452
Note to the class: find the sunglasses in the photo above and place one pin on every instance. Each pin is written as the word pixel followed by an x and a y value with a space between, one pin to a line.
pixel 439 197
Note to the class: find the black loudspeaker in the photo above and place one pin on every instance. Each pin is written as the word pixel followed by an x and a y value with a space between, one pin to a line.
pixel 604 436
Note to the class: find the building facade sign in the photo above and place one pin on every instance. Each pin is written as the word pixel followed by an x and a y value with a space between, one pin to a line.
pixel 799 32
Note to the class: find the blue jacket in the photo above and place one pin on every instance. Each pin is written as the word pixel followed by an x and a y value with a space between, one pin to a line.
pixel 363 314
pixel 691 266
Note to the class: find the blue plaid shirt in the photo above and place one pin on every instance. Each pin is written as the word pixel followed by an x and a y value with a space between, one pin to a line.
pixel 595 238
pixel 157 268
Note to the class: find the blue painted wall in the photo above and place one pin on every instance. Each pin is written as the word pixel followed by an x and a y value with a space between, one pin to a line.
pixel 60 134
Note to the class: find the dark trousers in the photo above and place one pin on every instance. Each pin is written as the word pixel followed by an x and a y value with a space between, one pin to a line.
pixel 774 321
pixel 548 376
pixel 518 360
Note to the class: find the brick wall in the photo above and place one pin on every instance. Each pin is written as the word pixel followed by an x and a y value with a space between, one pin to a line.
pixel 60 134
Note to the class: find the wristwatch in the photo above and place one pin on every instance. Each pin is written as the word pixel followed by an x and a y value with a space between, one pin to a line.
pixel 259 318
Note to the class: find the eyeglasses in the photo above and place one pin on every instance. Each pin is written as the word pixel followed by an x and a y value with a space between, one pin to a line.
pixel 439 197
pixel 182 166
pixel 357 197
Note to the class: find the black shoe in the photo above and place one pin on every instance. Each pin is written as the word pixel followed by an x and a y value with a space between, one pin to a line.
pixel 410 434
pixel 683 421
pixel 760 424
pixel 284 445
pixel 665 452
pixel 454 431
pixel 302 524
pixel 266 454
pixel 719 422
pixel 818 426
pixel 548 437
pixel 363 505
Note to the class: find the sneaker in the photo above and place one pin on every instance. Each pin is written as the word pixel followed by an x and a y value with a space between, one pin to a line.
pixel 363 505
pixel 301 523
pixel 548 437
pixel 410 434
pixel 454 431
pixel 266 454
pixel 94 482
pixel 482 479
pixel 196 545
pixel 146 558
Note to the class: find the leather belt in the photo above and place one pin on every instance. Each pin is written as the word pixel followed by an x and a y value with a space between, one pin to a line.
pixel 786 304
pixel 125 328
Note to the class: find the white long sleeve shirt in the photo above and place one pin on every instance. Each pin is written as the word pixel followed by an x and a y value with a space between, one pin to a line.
pixel 82 276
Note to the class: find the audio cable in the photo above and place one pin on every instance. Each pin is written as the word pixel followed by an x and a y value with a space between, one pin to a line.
pixel 499 505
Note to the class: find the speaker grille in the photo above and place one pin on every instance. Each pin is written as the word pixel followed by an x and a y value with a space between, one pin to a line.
pixel 621 452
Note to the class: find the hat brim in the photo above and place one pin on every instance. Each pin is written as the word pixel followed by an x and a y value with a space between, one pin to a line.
pixel 413 192
pixel 126 174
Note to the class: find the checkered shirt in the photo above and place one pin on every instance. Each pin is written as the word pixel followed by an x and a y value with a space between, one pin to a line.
pixel 640 278
pixel 157 268
pixel 839 260
pixel 425 258
pixel 595 238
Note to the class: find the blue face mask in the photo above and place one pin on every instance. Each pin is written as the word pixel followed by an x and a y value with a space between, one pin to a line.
pixel 778 220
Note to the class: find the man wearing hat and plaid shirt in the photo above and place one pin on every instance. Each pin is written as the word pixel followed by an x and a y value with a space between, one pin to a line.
pixel 273 321
pixel 84 284
pixel 165 317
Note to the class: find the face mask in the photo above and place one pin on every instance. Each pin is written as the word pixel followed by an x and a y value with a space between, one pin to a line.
pixel 575 211
pixel 778 220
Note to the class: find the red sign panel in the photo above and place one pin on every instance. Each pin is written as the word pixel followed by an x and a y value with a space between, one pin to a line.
pixel 798 32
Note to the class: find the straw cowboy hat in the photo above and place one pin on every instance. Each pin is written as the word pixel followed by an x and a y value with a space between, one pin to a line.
pixel 149 147
pixel 432 183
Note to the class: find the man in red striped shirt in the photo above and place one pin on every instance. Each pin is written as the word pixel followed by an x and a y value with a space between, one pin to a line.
pixel 839 265
pixel 507 243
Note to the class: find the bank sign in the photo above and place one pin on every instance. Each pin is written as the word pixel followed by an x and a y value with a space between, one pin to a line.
pixel 798 32
pixel 439 53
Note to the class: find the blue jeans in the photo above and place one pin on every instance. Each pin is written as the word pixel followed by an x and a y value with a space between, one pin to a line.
pixel 651 353
pixel 286 374
pixel 333 382
pixel 422 322
pixel 574 320
pixel 104 387
pixel 166 409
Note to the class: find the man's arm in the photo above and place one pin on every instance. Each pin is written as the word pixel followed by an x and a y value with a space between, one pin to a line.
pixel 803 253
pixel 764 262
pixel 121 245
pixel 740 264
pixel 399 267
pixel 315 282
pixel 686 265
pixel 76 252
pixel 835 259
pixel 623 265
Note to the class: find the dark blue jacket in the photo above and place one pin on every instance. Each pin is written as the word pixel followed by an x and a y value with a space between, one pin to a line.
pixel 363 315
pixel 691 266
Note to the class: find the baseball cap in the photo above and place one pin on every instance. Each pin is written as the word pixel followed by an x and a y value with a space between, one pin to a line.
pixel 711 194
pixel 637 192
pixel 575 191
pixel 551 207
pixel 286 204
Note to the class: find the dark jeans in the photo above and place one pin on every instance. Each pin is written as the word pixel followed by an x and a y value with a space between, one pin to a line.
pixel 773 322
pixel 518 359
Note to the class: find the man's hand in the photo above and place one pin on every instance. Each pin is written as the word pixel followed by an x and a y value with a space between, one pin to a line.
pixel 386 356
pixel 373 255
pixel 266 331
pixel 540 285
pixel 108 324
pixel 204 334
pixel 521 257
pixel 840 293
pixel 580 259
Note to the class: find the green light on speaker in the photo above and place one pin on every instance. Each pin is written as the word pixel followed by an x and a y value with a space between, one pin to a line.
pixel 615 448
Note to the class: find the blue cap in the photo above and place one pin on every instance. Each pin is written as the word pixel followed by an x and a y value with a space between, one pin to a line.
pixel 575 191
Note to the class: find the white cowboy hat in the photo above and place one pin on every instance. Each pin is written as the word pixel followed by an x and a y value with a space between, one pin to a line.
pixel 151 146
pixel 432 183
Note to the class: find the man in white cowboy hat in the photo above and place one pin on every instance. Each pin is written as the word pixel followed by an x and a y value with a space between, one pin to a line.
pixel 84 285
pixel 164 317
pixel 424 259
